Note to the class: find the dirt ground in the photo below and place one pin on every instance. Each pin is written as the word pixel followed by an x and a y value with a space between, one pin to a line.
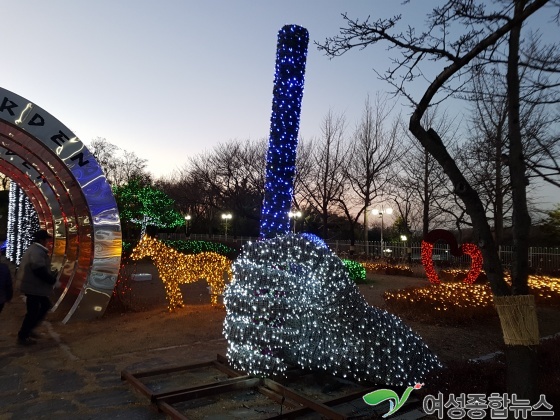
pixel 86 359
pixel 147 324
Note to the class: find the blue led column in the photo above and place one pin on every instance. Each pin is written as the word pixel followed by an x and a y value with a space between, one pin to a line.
pixel 291 54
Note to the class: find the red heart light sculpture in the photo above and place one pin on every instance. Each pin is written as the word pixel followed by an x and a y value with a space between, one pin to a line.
pixel 469 249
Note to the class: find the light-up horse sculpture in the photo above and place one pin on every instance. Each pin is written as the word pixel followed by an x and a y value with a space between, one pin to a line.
pixel 175 268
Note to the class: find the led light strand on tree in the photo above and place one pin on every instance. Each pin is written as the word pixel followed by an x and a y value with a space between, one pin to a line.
pixel 291 302
pixel 146 206
pixel 356 271
pixel 291 56
pixel 22 222
pixel 11 228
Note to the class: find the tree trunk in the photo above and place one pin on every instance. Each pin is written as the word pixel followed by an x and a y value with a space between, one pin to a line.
pixel 522 372
pixel 522 366
pixel 499 204
pixel 491 261
pixel 426 201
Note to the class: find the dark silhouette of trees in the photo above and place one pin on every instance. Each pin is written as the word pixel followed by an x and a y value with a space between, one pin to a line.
pixel 119 166
pixel 376 147
pixel 324 183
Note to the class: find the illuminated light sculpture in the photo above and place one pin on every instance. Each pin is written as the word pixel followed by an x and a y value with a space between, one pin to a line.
pixel 72 199
pixel 356 271
pixel 291 56
pixel 175 268
pixel 469 249
pixel 292 303
pixel 22 222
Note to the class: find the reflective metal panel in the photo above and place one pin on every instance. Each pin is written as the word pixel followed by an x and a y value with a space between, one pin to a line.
pixel 87 223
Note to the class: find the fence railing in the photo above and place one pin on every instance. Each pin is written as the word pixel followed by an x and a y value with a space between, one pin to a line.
pixel 541 259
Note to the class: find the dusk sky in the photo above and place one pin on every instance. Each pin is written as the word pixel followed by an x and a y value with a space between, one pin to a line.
pixel 171 79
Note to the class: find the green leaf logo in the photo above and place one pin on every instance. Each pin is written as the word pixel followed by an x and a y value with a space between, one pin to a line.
pixel 395 403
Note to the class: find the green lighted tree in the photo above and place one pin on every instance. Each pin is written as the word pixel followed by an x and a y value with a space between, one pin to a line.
pixel 143 205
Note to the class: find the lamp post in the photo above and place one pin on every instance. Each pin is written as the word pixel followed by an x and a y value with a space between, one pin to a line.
pixel 225 218
pixel 404 239
pixel 187 224
pixel 380 213
pixel 294 215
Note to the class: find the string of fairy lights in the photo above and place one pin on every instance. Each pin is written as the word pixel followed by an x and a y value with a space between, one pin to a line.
pixel 427 249
pixel 356 270
pixel 292 302
pixel 465 296
pixel 22 222
pixel 291 56
pixel 176 268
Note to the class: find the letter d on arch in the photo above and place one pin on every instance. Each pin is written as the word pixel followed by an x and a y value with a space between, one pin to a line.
pixel 73 201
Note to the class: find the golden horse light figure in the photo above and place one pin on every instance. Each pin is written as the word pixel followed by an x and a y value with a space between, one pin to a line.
pixel 175 268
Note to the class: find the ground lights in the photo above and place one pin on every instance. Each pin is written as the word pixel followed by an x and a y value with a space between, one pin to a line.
pixel 176 268
pixel 446 296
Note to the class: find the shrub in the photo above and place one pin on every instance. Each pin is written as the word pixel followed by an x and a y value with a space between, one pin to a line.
pixel 196 247
pixel 356 271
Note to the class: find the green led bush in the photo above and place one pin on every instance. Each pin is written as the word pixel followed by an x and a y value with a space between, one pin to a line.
pixel 356 270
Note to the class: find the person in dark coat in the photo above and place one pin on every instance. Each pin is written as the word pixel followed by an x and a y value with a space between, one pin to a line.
pixel 6 286
pixel 37 283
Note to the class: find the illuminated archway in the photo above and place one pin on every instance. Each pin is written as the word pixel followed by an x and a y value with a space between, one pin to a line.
pixel 73 201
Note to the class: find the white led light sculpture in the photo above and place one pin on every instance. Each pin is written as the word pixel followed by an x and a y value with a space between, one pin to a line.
pixel 291 303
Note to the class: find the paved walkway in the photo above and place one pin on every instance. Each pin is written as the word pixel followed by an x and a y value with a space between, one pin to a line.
pixel 47 381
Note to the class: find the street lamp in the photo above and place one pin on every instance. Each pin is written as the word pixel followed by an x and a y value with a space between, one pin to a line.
pixel 407 250
pixel 187 224
pixel 380 213
pixel 294 216
pixel 226 217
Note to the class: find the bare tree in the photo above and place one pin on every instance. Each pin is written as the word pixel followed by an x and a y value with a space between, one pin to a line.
pixel 486 153
pixel 129 167
pixel 304 166
pixel 106 155
pixel 488 36
pixel 376 148
pixel 232 176
pixel 120 166
pixel 324 182
pixel 420 177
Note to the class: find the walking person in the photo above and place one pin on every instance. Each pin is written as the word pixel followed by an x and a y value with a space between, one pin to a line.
pixel 37 283
pixel 6 286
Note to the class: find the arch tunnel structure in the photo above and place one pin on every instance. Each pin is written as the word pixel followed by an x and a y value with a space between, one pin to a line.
pixel 73 201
